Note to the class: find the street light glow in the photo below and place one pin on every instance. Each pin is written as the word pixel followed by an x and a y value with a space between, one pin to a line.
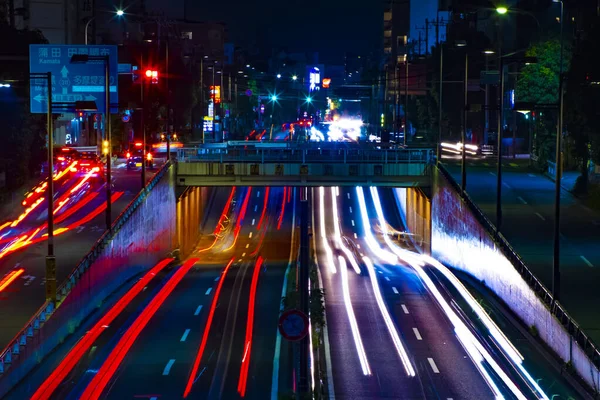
pixel 274 97
pixel 294 77
pixel 501 10
pixel 120 13
pixel 308 99
pixel 488 51
pixel 278 76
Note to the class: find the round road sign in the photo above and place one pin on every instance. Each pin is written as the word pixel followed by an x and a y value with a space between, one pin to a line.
pixel 248 92
pixel 293 325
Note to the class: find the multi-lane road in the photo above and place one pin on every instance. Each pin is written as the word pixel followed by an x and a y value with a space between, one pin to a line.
pixel 78 225
pixel 399 324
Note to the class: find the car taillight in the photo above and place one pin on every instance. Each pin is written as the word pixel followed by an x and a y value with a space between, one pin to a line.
pixel 73 169
pixel 128 155
pixel 149 157
pixel 85 165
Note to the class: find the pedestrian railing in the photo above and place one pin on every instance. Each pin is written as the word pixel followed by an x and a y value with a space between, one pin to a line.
pixel 17 344
pixel 586 344
pixel 306 155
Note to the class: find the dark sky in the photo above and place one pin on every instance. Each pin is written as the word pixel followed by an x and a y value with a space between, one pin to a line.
pixel 331 27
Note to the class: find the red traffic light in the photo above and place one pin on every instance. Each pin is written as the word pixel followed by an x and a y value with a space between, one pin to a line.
pixel 148 73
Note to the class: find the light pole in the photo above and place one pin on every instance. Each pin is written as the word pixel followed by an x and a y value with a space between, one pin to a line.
pixel 558 168
pixel 82 59
pixel 439 147
pixel 501 11
pixel 119 13
pixel 463 164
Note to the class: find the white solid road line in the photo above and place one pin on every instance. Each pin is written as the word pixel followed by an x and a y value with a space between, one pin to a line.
pixel 387 279
pixel 185 335
pixel 540 216
pixel 198 310
pixel 417 334
pixel 250 236
pixel 168 367
pixel 522 200
pixel 585 260
pixel 253 221
pixel 394 289
pixel 404 309
pixel 433 366
pixel 208 291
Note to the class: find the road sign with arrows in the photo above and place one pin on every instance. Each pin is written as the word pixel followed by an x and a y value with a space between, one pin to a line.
pixel 72 82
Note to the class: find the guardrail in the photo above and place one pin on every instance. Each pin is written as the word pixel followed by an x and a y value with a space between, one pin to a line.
pixel 32 327
pixel 304 155
pixel 586 344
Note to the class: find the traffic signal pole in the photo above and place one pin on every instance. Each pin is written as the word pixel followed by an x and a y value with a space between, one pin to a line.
pixel 108 138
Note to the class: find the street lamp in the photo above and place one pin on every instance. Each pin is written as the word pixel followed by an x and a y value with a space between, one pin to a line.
pixel 501 10
pixel 119 13
pixel 82 59
pixel 278 76
pixel 463 165
pixel 294 77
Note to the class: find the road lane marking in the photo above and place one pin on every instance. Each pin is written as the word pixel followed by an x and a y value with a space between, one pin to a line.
pixel 355 235
pixel 250 236
pixel 217 278
pixel 531 175
pixel 381 272
pixel 240 260
pixel 433 366
pixel 350 210
pixel 486 164
pixel 358 246
pixel 255 207
pixel 585 260
pixel 417 334
pixel 404 309
pixel 198 310
pixel 513 165
pixel 394 289
pixel 208 291
pixel 253 221
pixel 352 222
pixel 153 398
pixel 168 367
pixel 522 200
pixel 387 279
pixel 493 174
pixel 243 255
pixel 258 193
pixel 185 335
pixel 348 195
pixel 248 245
pixel 540 216
pixel 506 184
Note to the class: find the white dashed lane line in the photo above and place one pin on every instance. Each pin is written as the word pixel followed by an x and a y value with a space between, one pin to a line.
pixel 168 367
pixel 540 216
pixel 253 221
pixel 522 200
pixel 404 309
pixel 585 260
pixel 350 210
pixel 387 279
pixel 198 310
pixel 434 367
pixel 208 291
pixel 352 222
pixel 250 235
pixel 394 290
pixel 355 235
pixel 255 208
pixel 417 334
pixel 185 335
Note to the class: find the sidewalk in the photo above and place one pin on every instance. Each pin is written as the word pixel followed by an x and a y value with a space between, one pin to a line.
pixel 528 224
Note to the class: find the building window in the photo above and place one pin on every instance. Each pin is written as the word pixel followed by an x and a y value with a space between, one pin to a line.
pixel 186 35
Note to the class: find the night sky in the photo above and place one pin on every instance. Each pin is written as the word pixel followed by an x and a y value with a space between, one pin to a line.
pixel 331 27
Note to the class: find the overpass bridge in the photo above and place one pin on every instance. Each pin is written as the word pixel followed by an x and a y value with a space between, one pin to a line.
pixel 302 164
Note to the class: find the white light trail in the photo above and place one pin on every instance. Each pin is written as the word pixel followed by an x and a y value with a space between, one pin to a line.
pixel 388 320
pixel 385 255
pixel 328 252
pixel 337 232
pixel 465 336
pixel 360 350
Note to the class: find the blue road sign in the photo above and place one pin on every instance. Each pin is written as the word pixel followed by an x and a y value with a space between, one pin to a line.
pixel 72 82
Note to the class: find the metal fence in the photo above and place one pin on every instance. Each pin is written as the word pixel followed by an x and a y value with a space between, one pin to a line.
pixel 534 283
pixel 305 155
pixel 33 326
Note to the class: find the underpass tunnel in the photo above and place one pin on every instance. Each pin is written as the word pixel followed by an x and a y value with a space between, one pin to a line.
pixel 414 205
pixel 191 208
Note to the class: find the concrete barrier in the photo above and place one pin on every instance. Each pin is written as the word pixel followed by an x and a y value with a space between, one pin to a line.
pixel 140 237
pixel 464 239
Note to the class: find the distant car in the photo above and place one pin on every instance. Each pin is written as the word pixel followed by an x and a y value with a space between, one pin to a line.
pixel 89 163
pixel 135 159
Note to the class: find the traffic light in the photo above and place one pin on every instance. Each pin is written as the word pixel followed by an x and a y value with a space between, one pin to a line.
pixel 105 147
pixel 152 75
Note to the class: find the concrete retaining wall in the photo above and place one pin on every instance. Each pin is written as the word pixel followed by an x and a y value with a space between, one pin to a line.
pixel 142 235
pixel 461 241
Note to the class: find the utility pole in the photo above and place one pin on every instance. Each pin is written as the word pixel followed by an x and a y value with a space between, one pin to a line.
pixel 405 98
pixel 143 176
pixel 109 139
pixel 167 136
pixel 50 258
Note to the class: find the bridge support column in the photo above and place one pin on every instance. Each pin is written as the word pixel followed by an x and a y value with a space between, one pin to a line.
pixel 304 380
